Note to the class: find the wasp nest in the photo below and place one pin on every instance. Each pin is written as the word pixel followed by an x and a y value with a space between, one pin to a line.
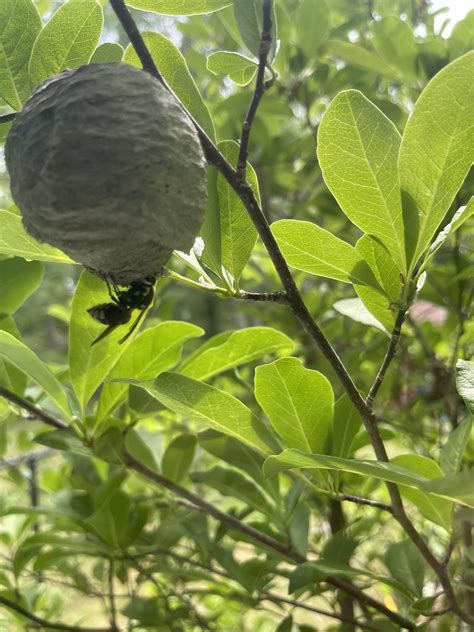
pixel 105 165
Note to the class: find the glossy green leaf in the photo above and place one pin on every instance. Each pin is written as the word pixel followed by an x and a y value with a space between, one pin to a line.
pixel 68 39
pixel 461 39
pixel 394 41
pixel 437 151
pixel 465 382
pixel 358 151
pixel 174 69
pixel 107 53
pixel 178 457
pixel 444 487
pixel 232 484
pixel 249 18
pixel 460 216
pixel 89 365
pixel 20 24
pixel 16 242
pixel 233 348
pixel 298 401
pixel 179 7
pixel 18 280
pixel 240 69
pixel 155 350
pixel 382 265
pixel 346 424
pixel 436 509
pixel 451 455
pixel 406 564
pixel 207 405
pixel 312 249
pixel 66 440
pixel 237 231
pixel 355 309
pixel 358 57
pixel 24 359
pixel 312 24
pixel 145 447
pixel 11 378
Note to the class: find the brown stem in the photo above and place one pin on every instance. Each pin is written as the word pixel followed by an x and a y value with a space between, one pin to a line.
pixel 260 87
pixel 113 609
pixel 42 415
pixel 389 355
pixel 337 522
pixel 270 297
pixel 43 624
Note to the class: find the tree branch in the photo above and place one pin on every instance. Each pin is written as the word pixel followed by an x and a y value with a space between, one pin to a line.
pixel 260 87
pixel 15 461
pixel 389 355
pixel 42 415
pixel 43 624
pixel 6 118
pixel 270 297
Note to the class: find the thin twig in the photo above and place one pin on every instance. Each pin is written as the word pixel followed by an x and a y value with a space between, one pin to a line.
pixel 42 415
pixel 43 624
pixel 6 118
pixel 270 297
pixel 15 461
pixel 260 87
pixel 358 500
pixel 389 355
pixel 113 609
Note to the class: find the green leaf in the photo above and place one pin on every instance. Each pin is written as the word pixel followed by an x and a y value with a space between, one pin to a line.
pixel 174 69
pixel 234 452
pixel 312 249
pixel 237 231
pixel 240 69
pixel 24 359
pixel 208 405
pixel 18 280
pixel 461 39
pixel 435 509
pixel 111 519
pixel 444 487
pixel 16 242
pixel 465 382
pixel 437 151
pixel 406 564
pixel 451 455
pixel 233 348
pixel 312 24
pixel 66 440
pixel 298 401
pixel 144 447
pixel 354 308
pixel 88 366
pixel 179 7
pixel 358 57
pixel 458 487
pixel 178 457
pixel 382 265
pixel 155 350
pixel 20 24
pixel 358 151
pixel 346 424
pixel 107 53
pixel 249 18
pixel 394 42
pixel 68 39
pixel 11 378
pixel 233 485
pixel 460 216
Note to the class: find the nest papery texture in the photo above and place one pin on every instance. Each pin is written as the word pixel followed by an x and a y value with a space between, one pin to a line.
pixel 105 165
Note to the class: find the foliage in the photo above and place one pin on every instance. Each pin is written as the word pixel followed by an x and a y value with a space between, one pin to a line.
pixel 216 471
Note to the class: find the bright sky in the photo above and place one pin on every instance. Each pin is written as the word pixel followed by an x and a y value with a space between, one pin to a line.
pixel 457 10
